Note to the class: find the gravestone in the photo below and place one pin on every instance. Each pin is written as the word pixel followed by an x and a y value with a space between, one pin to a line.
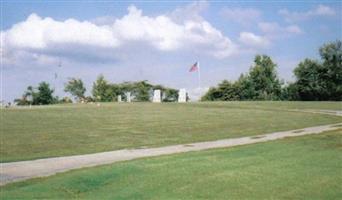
pixel 182 96
pixel 128 96
pixel 156 96
pixel 119 99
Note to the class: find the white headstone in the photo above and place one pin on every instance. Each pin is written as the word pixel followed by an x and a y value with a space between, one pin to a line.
pixel 156 96
pixel 182 96
pixel 119 98
pixel 128 96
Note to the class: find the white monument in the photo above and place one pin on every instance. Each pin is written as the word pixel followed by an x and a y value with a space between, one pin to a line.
pixel 119 99
pixel 182 96
pixel 128 96
pixel 156 96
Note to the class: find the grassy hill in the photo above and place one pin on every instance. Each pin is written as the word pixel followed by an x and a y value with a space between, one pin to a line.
pixel 59 130
pixel 307 167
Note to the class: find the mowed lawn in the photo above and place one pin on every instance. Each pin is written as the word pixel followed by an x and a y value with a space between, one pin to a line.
pixel 307 167
pixel 279 105
pixel 49 131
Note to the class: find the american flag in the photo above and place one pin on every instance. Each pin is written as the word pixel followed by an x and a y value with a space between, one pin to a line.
pixel 194 67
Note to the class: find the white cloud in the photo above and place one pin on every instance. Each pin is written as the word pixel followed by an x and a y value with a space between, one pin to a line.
pixel 320 10
pixel 293 29
pixel 324 10
pixel 274 30
pixel 243 16
pixel 252 40
pixel 38 33
pixel 84 39
pixel 271 31
pixel 190 12
pixel 161 32
pixel 269 27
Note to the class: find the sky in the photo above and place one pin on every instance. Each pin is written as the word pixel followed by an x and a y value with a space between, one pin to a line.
pixel 157 41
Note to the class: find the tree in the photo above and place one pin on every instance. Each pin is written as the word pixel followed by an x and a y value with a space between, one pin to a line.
pixel 264 79
pixel 225 91
pixel 170 95
pixel 27 98
pixel 76 88
pixel 228 91
pixel 261 83
pixel 331 53
pixel 213 94
pixel 37 96
pixel 290 92
pixel 44 95
pixel 102 90
pixel 309 85
pixel 142 91
pixel 316 80
pixel 245 88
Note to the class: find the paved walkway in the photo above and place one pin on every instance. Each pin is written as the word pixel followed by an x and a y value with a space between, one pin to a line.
pixel 22 170
pixel 326 112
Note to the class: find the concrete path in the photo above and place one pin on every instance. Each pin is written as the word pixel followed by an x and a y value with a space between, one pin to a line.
pixel 326 112
pixel 22 170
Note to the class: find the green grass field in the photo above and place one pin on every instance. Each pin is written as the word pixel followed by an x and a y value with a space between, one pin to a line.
pixel 60 130
pixel 307 167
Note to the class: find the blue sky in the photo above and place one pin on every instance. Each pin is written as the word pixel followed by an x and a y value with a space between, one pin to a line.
pixel 150 40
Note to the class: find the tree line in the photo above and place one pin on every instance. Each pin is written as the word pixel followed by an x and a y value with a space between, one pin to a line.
pixel 102 91
pixel 140 91
pixel 315 80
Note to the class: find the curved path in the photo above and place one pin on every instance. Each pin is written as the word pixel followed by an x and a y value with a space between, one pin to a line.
pixel 325 112
pixel 22 170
